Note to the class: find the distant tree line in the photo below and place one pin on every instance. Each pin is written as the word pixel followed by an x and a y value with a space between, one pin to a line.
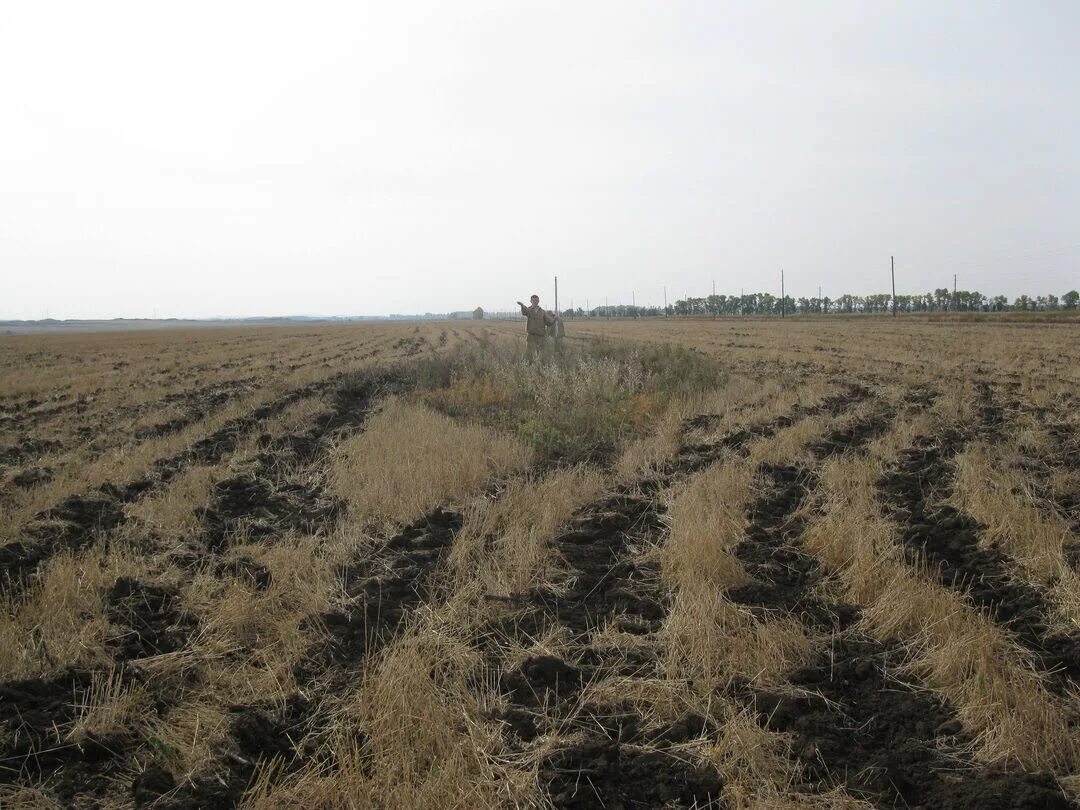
pixel 940 300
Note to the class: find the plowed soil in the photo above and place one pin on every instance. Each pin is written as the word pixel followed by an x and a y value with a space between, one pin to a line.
pixel 561 666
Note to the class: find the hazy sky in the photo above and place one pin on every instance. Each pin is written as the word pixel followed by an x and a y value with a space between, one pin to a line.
pixel 226 158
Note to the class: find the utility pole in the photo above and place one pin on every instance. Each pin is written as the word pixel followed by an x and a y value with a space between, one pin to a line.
pixel 783 303
pixel 820 303
pixel 741 301
pixel 954 292
pixel 607 310
pixel 556 295
pixel 665 300
pixel 588 312
pixel 892 267
pixel 713 302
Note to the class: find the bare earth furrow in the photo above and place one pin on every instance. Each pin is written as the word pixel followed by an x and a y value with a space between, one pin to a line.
pixel 611 754
pixel 79 519
pixel 149 620
pixel 885 741
pixel 949 541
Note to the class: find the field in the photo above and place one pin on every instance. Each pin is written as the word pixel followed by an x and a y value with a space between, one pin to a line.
pixel 826 563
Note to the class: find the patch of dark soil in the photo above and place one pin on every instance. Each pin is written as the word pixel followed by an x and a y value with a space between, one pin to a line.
pixel 32 476
pixel 274 496
pixel 151 619
pixel 782 575
pixel 603 583
pixel 32 713
pixel 602 773
pixel 950 541
pixel 27 449
pixel 258 507
pixel 884 739
pixel 265 731
pixel 150 785
pixel 70 525
pixel 384 586
pixel 541 680
pixel 35 716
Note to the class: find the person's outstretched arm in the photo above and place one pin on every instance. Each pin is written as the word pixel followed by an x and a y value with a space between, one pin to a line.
pixel 524 309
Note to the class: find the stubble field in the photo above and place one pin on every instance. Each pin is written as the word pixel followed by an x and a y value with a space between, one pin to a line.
pixel 735 563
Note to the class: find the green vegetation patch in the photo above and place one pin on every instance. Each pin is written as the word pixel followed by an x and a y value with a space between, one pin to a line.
pixel 581 405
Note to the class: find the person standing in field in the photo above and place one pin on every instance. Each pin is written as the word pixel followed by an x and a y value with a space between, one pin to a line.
pixel 535 327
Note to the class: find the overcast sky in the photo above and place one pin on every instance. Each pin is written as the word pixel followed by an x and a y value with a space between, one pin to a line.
pixel 226 158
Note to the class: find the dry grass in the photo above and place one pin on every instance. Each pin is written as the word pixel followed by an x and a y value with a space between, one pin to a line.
pixel 413 737
pixel 503 547
pixel 999 497
pixel 739 403
pixel 998 696
pixel 170 515
pixel 110 706
pixel 269 631
pixel 707 519
pixel 709 641
pixel 61 622
pixel 411 459
pixel 415 726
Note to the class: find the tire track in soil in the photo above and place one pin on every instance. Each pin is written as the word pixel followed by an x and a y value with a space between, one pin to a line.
pixel 885 741
pixel 76 521
pixel 381 589
pixel 914 492
pixel 608 763
pixel 150 620
pixel 34 713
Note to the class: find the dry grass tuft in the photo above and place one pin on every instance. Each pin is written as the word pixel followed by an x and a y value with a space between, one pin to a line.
pixel 707 519
pixel 171 514
pixel 708 641
pixel 412 459
pixel 187 738
pixel 109 706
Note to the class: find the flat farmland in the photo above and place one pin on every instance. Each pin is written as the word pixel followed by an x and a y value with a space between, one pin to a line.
pixel 744 563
